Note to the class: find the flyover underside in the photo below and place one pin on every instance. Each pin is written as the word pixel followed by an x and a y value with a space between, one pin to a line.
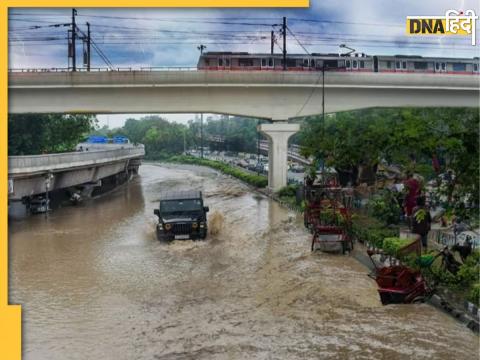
pixel 269 102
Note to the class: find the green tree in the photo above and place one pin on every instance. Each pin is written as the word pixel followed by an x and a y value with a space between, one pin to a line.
pixel 30 134
pixel 408 136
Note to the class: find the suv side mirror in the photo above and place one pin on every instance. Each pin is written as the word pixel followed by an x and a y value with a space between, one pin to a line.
pixel 206 209
pixel 156 212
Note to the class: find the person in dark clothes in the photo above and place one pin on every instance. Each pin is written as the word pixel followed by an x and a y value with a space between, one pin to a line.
pixel 421 221
pixel 412 186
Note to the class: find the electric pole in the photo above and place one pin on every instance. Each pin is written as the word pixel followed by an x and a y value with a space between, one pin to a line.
pixel 272 41
pixel 74 35
pixel 88 46
pixel 284 33
pixel 201 135
pixel 258 147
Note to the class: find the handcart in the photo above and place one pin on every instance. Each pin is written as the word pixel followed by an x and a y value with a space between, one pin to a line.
pixel 398 283
pixel 328 216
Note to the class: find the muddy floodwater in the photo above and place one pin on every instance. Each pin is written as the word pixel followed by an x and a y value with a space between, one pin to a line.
pixel 96 284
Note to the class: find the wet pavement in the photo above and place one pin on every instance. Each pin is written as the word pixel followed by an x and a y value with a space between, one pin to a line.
pixel 96 284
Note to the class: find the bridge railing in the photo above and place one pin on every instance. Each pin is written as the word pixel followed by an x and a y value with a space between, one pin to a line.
pixel 102 69
pixel 44 162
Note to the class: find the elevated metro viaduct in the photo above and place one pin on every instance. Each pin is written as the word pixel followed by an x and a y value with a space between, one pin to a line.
pixel 276 96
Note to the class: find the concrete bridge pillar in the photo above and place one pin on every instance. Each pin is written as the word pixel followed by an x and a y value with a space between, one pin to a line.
pixel 278 134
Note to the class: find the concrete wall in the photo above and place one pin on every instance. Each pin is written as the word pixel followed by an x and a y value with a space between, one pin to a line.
pixel 269 95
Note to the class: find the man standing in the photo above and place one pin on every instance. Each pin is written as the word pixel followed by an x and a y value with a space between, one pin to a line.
pixel 413 191
pixel 421 221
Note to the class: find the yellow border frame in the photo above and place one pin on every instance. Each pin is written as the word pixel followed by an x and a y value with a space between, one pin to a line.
pixel 10 315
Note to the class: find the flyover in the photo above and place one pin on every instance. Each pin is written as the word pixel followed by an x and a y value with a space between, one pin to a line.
pixel 276 96
pixel 36 174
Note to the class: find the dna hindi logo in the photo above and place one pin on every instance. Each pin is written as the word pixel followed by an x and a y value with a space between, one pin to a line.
pixel 453 23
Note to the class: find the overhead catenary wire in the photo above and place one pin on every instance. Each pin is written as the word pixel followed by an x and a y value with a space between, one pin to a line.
pixel 99 51
pixel 110 35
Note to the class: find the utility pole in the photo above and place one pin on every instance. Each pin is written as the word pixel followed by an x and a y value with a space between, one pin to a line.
pixel 272 41
pixel 258 147
pixel 284 33
pixel 74 35
pixel 88 46
pixel 184 141
pixel 201 135
pixel 323 111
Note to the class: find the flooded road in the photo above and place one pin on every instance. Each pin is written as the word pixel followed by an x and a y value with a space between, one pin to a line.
pixel 96 284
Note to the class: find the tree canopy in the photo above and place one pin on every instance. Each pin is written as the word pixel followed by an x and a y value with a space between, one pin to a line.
pixel 410 137
pixel 31 134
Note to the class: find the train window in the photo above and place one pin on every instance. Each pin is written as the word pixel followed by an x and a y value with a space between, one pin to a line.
pixel 227 62
pixel 347 64
pixel 459 67
pixel 444 66
pixel 305 62
pixel 245 62
pixel 420 65
pixel 404 65
pixel 397 64
pixel 437 66
pixel 220 62
pixel 207 62
pixel 362 64
pixel 270 62
pixel 475 67
pixel 355 64
pixel 264 62
pixel 389 64
pixel 291 63
pixel 312 63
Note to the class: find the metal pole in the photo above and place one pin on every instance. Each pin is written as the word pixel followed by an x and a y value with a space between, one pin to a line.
pixel 201 135
pixel 284 33
pixel 258 147
pixel 88 46
pixel 74 35
pixel 272 41
pixel 323 111
pixel 184 142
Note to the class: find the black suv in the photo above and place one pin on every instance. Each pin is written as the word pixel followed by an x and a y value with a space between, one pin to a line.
pixel 181 215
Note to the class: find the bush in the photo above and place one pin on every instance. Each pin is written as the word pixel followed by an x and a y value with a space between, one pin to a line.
pixel 468 273
pixel 474 295
pixel 368 229
pixel 255 180
pixel 391 245
pixel 384 207
pixel 288 191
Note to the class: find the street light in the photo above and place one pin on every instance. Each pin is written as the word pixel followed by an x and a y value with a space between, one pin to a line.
pixel 201 47
pixel 343 46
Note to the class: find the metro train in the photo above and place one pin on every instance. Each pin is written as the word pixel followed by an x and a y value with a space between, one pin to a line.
pixel 336 62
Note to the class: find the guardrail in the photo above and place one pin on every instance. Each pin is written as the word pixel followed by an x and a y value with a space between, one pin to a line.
pixel 35 163
pixel 119 69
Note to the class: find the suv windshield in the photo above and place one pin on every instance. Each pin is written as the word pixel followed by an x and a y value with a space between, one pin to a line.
pixel 180 206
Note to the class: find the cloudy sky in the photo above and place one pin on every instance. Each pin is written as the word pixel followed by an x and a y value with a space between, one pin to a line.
pixel 169 37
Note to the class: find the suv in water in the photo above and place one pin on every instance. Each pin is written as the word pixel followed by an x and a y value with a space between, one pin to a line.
pixel 181 215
